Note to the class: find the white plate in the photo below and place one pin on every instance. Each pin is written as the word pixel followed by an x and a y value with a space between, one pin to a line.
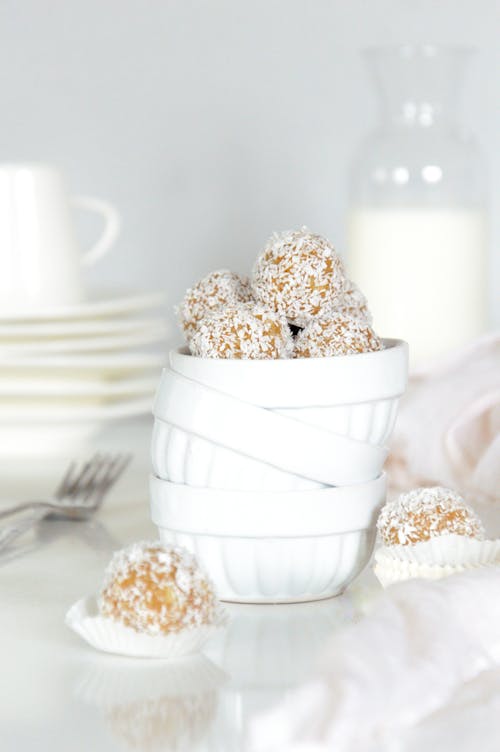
pixel 16 413
pixel 99 306
pixel 110 365
pixel 84 344
pixel 76 328
pixel 25 387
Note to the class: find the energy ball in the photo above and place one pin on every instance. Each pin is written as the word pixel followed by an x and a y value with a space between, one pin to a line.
pixel 242 332
pixel 354 304
pixel 299 275
pixel 157 589
pixel 216 290
pixel 426 513
pixel 335 335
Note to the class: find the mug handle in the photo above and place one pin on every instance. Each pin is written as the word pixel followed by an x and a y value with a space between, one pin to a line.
pixel 111 228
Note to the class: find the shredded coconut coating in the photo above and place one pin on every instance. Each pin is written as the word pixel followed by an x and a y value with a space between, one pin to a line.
pixel 216 290
pixel 426 513
pixel 243 332
pixel 157 589
pixel 338 335
pixel 354 304
pixel 299 274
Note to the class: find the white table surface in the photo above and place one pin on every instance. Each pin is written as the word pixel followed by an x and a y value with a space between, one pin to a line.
pixel 58 695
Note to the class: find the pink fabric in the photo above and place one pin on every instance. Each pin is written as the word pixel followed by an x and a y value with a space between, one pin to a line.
pixel 448 428
pixel 381 677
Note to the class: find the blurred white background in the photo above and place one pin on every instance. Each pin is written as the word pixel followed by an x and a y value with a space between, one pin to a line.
pixel 211 123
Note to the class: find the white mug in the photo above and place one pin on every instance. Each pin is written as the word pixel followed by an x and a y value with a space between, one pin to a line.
pixel 40 261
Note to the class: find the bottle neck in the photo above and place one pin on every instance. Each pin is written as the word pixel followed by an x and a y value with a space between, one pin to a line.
pixel 424 115
pixel 418 87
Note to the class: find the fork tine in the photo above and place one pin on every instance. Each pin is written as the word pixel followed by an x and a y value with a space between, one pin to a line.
pixel 108 472
pixel 61 488
pixel 117 468
pixel 88 473
pixel 86 476
pixel 94 481
pixel 87 484
pixel 75 476
pixel 112 472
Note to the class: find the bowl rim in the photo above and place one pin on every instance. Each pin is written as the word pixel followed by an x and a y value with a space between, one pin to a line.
pixel 389 344
pixel 271 514
pixel 302 382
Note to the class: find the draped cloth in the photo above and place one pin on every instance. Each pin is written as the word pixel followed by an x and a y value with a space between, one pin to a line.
pixel 401 663
pixel 448 427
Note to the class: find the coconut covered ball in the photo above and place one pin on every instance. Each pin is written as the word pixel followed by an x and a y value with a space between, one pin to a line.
pixel 157 589
pixel 335 335
pixel 353 303
pixel 299 275
pixel 426 513
pixel 216 290
pixel 242 332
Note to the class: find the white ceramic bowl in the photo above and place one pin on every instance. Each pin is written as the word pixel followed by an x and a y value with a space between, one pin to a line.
pixel 298 448
pixel 272 547
pixel 182 457
pixel 354 396
pixel 303 382
pixel 371 422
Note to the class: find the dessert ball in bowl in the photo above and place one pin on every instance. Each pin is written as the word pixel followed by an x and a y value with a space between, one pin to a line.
pixel 295 337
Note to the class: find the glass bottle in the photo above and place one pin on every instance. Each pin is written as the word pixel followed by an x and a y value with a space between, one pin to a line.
pixel 417 218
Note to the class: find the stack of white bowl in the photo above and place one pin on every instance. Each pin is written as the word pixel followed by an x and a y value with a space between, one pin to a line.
pixel 270 471
pixel 67 371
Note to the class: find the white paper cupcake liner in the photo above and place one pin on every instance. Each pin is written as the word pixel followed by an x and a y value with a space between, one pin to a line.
pixel 111 637
pixel 435 558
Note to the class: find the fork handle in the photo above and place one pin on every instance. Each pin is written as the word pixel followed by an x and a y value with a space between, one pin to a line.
pixel 24 506
pixel 10 533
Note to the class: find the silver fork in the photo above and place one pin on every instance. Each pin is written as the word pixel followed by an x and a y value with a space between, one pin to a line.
pixel 78 496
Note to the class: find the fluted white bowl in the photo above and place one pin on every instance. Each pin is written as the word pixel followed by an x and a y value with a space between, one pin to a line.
pixel 272 547
pixel 303 382
pixel 288 444
pixel 353 396
pixel 371 422
pixel 182 457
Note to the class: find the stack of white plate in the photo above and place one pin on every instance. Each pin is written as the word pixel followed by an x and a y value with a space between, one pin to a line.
pixel 65 372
